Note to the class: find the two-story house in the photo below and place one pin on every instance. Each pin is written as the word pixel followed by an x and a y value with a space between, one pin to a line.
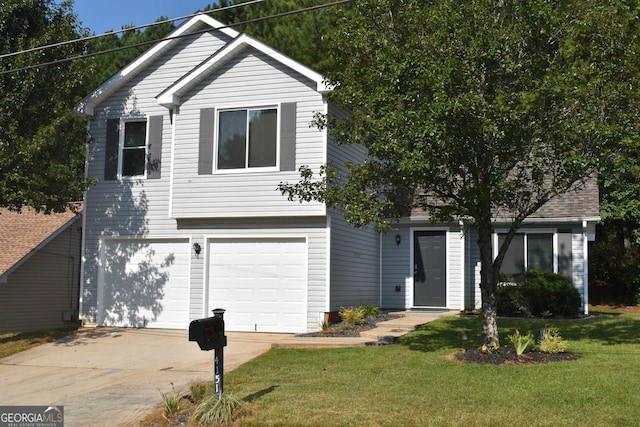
pixel 190 143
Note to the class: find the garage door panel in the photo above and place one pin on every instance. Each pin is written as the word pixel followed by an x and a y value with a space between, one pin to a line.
pixel 260 282
pixel 145 284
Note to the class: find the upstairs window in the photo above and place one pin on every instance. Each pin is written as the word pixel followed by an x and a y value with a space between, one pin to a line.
pixel 134 148
pixel 247 138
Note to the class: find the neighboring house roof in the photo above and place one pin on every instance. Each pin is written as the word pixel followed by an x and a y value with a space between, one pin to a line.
pixel 23 234
pixel 191 26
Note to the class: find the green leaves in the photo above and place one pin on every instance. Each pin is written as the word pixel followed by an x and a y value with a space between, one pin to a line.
pixel 42 146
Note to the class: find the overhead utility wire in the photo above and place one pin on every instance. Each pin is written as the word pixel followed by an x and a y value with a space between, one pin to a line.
pixel 117 49
pixel 124 30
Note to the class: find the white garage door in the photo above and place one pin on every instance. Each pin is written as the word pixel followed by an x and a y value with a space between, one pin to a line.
pixel 145 283
pixel 261 283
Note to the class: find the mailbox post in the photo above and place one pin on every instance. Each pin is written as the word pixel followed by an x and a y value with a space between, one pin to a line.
pixel 218 360
pixel 209 334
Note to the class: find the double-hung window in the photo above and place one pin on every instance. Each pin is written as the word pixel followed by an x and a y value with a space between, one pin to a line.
pixel 133 148
pixel 247 138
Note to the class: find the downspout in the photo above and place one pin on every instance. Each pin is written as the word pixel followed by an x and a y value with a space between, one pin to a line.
pixel 380 268
pixel 585 267
pixel 464 265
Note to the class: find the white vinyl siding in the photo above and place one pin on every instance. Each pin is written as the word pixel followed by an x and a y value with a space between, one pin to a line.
pixel 396 271
pixel 355 265
pixel 241 194
pixel 134 208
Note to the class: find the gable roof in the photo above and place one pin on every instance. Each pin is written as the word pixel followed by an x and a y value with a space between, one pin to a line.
pixel 86 106
pixel 170 97
pixel 23 234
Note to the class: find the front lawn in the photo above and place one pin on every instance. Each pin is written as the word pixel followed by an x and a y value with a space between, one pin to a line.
pixel 15 342
pixel 415 383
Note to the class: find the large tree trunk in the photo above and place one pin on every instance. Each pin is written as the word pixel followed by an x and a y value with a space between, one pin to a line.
pixel 488 285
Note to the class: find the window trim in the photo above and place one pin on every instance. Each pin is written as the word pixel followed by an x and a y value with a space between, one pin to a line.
pixel 121 147
pixel 526 232
pixel 247 108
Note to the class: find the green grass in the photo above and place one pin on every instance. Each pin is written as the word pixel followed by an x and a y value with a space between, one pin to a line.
pixel 414 383
pixel 15 342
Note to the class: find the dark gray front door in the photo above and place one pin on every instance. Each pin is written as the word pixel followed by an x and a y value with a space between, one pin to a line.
pixel 429 269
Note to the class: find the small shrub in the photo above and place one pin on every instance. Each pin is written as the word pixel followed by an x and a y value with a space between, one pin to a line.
pixel 511 301
pixel 538 293
pixel 522 343
pixel 358 315
pixel 220 411
pixel 551 292
pixel 551 342
pixel 370 311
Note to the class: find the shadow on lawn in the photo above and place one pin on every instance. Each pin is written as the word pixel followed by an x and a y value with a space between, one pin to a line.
pixel 260 393
pixel 603 327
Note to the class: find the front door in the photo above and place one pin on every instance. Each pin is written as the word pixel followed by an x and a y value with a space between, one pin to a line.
pixel 429 269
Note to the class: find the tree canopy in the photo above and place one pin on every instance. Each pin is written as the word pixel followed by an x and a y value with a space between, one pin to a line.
pixel 299 36
pixel 110 63
pixel 42 145
pixel 477 110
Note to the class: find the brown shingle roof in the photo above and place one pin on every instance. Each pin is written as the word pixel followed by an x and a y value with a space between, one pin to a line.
pixel 21 233
pixel 576 204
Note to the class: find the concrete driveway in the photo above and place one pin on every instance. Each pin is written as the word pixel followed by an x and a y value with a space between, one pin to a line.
pixel 113 376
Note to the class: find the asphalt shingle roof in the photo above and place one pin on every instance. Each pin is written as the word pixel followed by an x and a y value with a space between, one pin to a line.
pixel 20 233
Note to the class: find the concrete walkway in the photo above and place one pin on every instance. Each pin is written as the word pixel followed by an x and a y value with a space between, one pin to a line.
pixel 384 333
pixel 115 376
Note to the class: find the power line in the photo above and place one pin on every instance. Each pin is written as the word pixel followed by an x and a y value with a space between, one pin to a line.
pixel 104 52
pixel 124 30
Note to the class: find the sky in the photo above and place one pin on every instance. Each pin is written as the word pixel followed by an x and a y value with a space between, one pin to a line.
pixel 101 16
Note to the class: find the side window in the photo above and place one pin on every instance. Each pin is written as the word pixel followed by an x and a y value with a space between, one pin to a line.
pixel 247 138
pixel 528 251
pixel 134 148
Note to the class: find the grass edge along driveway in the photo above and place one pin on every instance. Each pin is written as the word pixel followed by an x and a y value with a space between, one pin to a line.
pixel 414 383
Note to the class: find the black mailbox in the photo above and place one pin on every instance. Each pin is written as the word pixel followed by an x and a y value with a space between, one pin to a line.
pixel 208 333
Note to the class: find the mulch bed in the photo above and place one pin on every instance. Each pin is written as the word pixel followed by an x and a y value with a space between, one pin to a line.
pixel 506 355
pixel 344 329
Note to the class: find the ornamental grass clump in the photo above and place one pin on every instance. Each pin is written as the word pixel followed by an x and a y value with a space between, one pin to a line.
pixel 171 402
pixel 522 343
pixel 551 342
pixel 220 411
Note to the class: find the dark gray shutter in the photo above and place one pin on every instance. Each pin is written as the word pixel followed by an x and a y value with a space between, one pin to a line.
pixel 205 150
pixel 155 147
pixel 288 137
pixel 111 150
